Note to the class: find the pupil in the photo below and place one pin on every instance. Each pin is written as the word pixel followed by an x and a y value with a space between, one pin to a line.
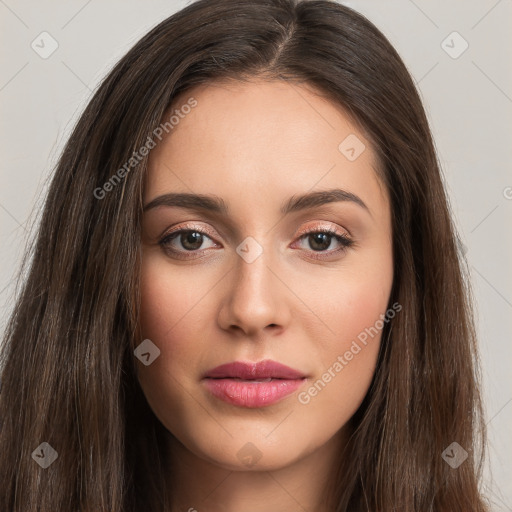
pixel 323 239
pixel 191 240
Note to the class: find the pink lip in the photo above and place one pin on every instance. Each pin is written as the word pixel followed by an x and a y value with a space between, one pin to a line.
pixel 243 384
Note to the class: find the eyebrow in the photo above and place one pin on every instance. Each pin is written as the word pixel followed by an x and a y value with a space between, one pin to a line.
pixel 215 204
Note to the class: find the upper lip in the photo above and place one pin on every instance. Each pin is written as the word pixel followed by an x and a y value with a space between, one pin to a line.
pixel 251 371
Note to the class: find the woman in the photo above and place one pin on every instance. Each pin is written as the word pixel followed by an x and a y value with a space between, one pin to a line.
pixel 246 293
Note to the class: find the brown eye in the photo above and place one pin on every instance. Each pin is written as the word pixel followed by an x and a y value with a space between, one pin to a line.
pixel 319 242
pixel 191 240
pixel 183 241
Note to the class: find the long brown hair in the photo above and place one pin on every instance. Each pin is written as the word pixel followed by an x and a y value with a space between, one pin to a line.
pixel 69 375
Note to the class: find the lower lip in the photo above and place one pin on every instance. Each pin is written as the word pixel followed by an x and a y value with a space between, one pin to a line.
pixel 253 394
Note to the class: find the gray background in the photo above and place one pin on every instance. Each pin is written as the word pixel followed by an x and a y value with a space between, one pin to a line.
pixel 468 100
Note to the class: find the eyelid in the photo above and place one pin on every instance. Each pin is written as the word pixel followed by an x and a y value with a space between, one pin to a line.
pixel 322 226
pixel 318 226
pixel 188 227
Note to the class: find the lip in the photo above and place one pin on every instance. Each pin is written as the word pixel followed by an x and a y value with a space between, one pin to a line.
pixel 252 371
pixel 253 385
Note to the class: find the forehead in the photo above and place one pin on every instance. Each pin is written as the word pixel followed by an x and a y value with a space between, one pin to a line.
pixel 260 140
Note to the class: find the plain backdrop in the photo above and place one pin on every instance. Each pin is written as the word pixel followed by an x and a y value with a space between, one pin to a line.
pixel 465 81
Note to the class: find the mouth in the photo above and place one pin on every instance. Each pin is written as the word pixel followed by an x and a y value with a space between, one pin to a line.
pixel 253 385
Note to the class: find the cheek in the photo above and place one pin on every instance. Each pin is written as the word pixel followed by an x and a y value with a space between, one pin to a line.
pixel 169 317
pixel 171 302
pixel 353 308
pixel 349 304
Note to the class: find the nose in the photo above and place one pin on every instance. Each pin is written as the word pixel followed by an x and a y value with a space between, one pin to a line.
pixel 256 300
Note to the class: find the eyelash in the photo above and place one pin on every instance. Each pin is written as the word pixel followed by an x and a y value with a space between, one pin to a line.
pixel 342 239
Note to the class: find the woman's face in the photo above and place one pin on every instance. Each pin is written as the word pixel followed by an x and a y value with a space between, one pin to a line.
pixel 246 283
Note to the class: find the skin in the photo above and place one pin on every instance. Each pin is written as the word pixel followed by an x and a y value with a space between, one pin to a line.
pixel 255 145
